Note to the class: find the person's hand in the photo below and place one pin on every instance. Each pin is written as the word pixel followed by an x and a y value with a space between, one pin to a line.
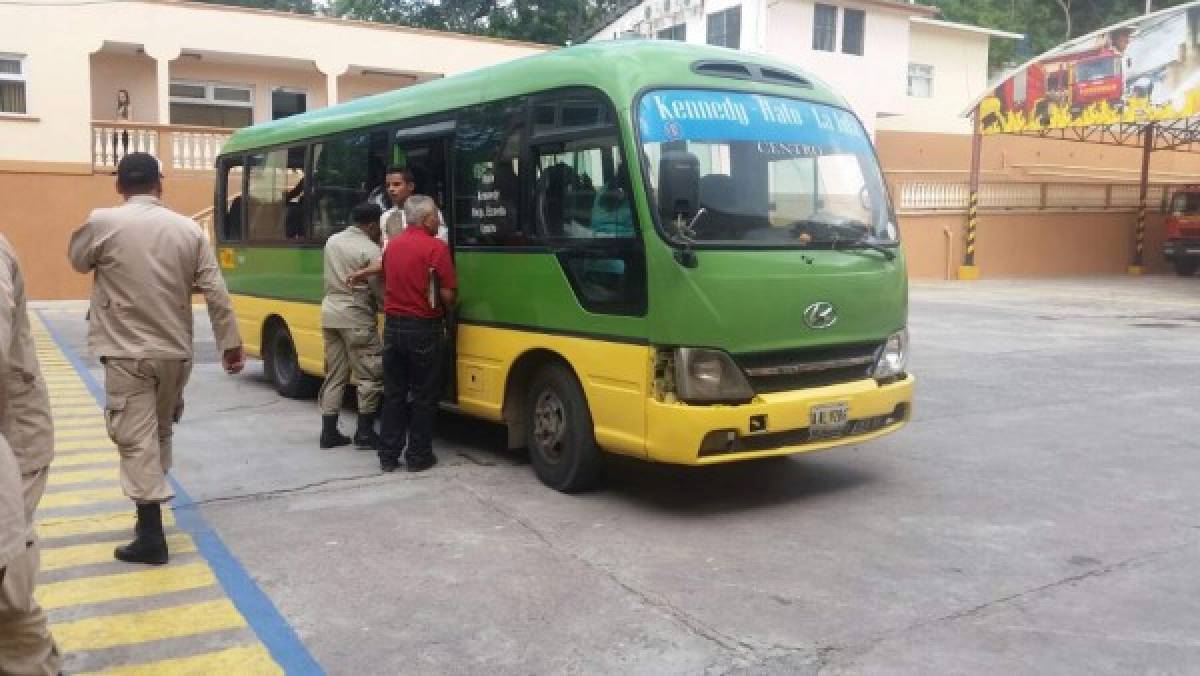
pixel 234 360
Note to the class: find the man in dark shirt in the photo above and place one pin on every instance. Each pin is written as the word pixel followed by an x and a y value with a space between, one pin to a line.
pixel 419 287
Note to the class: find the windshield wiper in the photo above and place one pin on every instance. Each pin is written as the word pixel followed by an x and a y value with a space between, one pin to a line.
pixel 858 236
pixel 864 242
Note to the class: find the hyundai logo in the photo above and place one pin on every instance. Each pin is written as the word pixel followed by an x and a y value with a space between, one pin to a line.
pixel 820 315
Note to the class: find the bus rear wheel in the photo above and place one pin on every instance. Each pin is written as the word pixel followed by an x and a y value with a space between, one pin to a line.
pixel 282 366
pixel 558 431
pixel 1186 267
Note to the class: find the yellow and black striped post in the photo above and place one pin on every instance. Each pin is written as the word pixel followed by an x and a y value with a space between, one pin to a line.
pixel 972 226
pixel 968 270
pixel 1139 238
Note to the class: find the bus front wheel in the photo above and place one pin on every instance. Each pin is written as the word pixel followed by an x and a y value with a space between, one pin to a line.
pixel 282 366
pixel 558 431
pixel 1186 267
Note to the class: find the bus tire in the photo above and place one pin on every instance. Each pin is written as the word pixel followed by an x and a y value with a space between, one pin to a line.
pixel 282 365
pixel 558 431
pixel 1186 267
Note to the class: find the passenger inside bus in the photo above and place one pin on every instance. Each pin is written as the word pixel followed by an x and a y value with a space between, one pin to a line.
pixel 611 216
pixel 294 202
pixel 232 225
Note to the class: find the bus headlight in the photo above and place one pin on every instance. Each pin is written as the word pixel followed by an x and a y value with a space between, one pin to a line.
pixel 709 377
pixel 893 358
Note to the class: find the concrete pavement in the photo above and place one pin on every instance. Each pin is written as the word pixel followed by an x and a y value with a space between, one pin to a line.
pixel 1038 515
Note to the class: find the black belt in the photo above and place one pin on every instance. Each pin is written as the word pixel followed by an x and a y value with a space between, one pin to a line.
pixel 401 320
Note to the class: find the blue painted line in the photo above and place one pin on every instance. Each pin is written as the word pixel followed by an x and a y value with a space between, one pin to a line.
pixel 264 618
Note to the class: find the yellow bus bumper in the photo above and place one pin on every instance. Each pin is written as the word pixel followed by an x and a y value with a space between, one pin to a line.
pixel 676 431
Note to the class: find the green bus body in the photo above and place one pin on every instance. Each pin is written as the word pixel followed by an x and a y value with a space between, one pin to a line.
pixel 745 301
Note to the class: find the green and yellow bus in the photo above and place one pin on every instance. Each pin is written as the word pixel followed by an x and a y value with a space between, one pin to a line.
pixel 679 253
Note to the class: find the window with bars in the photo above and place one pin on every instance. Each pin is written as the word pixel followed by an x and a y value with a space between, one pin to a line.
pixel 920 80
pixel 676 32
pixel 824 28
pixel 12 84
pixel 725 28
pixel 853 29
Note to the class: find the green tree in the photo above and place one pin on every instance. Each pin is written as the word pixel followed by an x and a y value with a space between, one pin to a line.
pixel 547 21
pixel 1045 23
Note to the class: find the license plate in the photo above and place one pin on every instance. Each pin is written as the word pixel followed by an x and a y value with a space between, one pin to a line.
pixel 827 420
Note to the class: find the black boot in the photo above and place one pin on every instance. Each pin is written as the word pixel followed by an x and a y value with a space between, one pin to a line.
pixel 389 461
pixel 366 438
pixel 150 545
pixel 330 436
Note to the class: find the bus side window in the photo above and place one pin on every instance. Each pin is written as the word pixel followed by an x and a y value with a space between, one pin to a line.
pixel 581 201
pixel 486 168
pixel 275 195
pixel 230 214
pixel 342 170
pixel 580 192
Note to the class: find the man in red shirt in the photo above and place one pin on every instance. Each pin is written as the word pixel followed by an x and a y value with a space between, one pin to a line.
pixel 419 287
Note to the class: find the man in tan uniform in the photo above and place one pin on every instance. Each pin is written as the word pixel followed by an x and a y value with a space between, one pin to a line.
pixel 350 328
pixel 147 261
pixel 26 646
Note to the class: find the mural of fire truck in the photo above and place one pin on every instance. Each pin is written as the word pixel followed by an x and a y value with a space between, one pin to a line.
pixel 1072 82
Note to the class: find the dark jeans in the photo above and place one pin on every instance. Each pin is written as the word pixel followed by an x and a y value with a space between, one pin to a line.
pixel 412 364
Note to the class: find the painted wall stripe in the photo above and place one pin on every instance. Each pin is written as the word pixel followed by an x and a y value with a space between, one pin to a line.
pixel 84 444
pixel 250 659
pixel 77 459
pixel 93 433
pixel 96 633
pixel 60 558
pixel 86 496
pixel 82 476
pixel 84 591
pixel 65 527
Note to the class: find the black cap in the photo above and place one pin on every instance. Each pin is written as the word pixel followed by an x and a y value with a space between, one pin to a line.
pixel 138 168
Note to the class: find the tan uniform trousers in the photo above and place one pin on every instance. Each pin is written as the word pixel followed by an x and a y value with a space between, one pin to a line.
pixel 352 351
pixel 26 647
pixel 143 395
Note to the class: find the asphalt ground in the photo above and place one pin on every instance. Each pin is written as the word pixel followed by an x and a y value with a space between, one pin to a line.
pixel 1039 515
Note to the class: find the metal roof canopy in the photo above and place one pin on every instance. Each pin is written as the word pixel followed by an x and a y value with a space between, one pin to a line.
pixel 1132 84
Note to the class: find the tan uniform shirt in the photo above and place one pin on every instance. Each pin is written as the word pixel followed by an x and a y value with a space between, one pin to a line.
pixel 147 261
pixel 344 307
pixel 14 531
pixel 24 403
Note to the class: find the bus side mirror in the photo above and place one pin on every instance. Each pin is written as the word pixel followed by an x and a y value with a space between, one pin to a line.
pixel 678 185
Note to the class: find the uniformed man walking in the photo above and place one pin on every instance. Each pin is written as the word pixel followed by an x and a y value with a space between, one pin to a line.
pixel 147 261
pixel 350 329
pixel 27 440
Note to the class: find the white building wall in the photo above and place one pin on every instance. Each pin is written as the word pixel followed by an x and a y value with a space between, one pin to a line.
pixel 58 42
pixel 959 59
pixel 873 83
pixel 694 13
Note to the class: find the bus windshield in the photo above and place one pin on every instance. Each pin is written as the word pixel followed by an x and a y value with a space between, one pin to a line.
pixel 736 169
pixel 1185 204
